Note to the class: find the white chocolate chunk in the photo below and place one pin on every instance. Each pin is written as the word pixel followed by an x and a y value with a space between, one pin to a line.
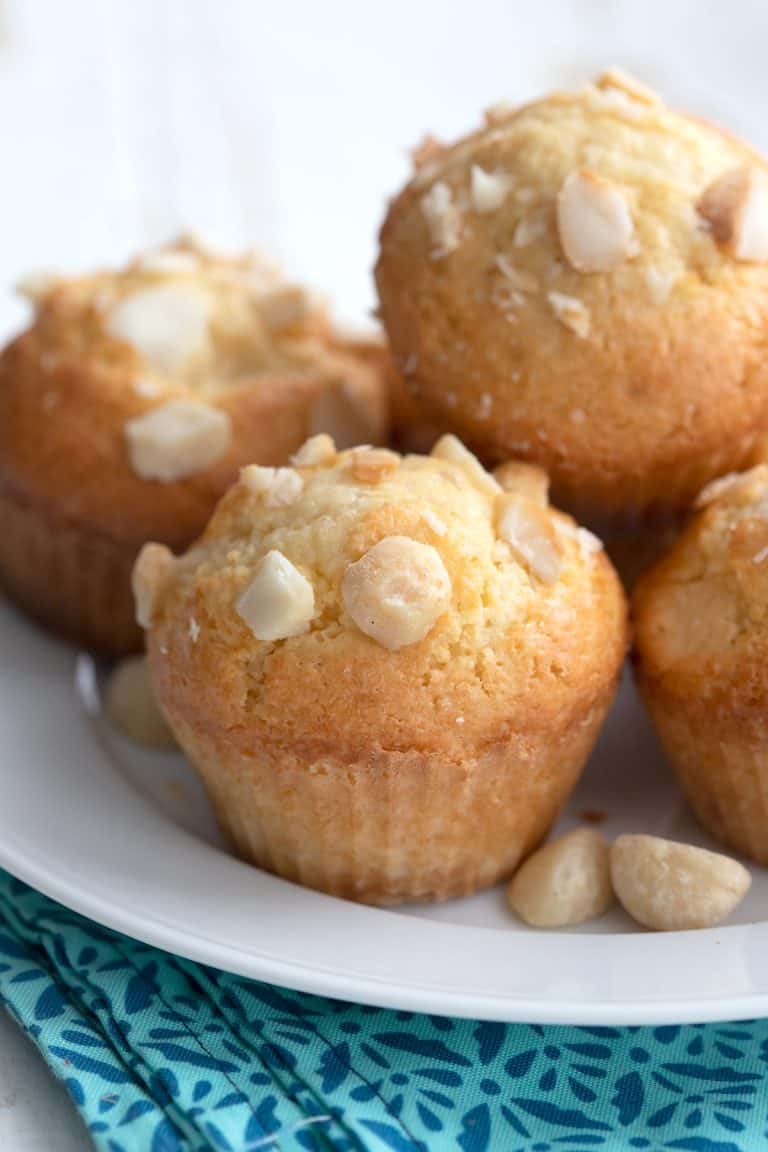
pixel 397 591
pixel 280 486
pixel 131 706
pixel 442 217
pixel 672 887
pixel 151 575
pixel 566 882
pixel 317 450
pixel 450 448
pixel 571 312
pixel 594 222
pixel 487 190
pixel 279 602
pixel 736 208
pixel 178 439
pixel 167 324
pixel 526 480
pixel 528 530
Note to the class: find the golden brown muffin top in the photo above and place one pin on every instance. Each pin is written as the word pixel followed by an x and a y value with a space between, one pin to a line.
pixel 187 316
pixel 362 597
pixel 701 613
pixel 134 397
pixel 583 280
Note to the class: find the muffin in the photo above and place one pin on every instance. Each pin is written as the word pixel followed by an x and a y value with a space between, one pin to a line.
pixel 582 282
pixel 388 671
pixel 701 632
pixel 128 406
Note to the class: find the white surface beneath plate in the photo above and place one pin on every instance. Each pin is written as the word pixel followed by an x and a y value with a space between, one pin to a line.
pixel 127 838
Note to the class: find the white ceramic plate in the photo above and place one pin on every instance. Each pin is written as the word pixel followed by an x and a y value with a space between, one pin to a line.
pixel 127 838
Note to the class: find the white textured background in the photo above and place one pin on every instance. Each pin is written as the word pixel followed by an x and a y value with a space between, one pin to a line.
pixel 285 124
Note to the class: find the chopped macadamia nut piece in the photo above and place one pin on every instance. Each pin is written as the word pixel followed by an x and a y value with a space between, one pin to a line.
pixel 518 278
pixel 487 190
pixel 624 82
pixel 372 465
pixel 279 602
pixel 571 312
pixel 152 573
pixel 279 486
pixel 131 706
pixel 317 450
pixel 450 448
pixel 527 480
pixel 397 591
pixel 167 324
pixel 442 217
pixel 672 887
pixel 434 522
pixel 660 283
pixel 35 286
pixel 343 417
pixel 178 439
pixel 566 882
pixel 529 230
pixel 528 530
pixel 594 222
pixel 285 307
pixel 736 488
pixel 736 208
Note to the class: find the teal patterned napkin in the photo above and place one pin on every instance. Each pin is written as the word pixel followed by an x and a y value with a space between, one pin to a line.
pixel 162 1055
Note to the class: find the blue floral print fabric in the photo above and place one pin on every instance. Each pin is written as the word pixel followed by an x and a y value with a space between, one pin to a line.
pixel 163 1055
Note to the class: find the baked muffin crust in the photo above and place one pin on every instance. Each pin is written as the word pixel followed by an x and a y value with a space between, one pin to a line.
pixel 128 406
pixel 430 666
pixel 582 282
pixel 701 628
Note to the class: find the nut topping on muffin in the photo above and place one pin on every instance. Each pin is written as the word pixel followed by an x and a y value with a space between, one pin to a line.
pixel 443 218
pixel 397 591
pixel 279 602
pixel 177 439
pixel 487 190
pixel 371 465
pixel 571 312
pixel 526 480
pixel 598 227
pixel 451 448
pixel 168 324
pixel 528 530
pixel 279 485
pixel 319 449
pixel 594 222
pixel 736 208
pixel 179 368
